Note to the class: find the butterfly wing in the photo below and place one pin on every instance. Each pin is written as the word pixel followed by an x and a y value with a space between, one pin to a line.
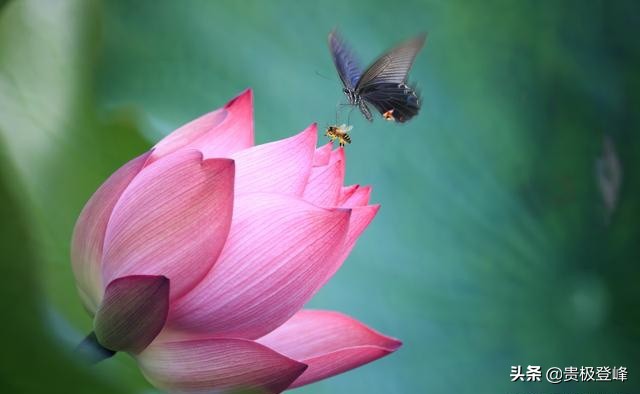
pixel 384 86
pixel 393 66
pixel 345 62
pixel 397 102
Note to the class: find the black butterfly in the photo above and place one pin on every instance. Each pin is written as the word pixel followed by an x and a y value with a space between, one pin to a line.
pixel 384 83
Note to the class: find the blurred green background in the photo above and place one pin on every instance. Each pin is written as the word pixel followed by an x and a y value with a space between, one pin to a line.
pixel 494 246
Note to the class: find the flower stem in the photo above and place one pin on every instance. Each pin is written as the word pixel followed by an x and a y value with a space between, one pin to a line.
pixel 92 351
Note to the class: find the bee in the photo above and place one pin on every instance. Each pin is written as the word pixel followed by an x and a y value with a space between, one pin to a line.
pixel 339 133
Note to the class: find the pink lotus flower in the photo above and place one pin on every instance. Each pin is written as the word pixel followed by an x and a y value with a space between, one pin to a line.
pixel 197 257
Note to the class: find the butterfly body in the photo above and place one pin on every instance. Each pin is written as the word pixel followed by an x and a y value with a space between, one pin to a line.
pixel 383 84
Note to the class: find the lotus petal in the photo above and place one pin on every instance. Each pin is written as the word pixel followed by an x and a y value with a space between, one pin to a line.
pixel 277 167
pixel 216 365
pixel 358 198
pixel 346 192
pixel 279 252
pixel 132 313
pixel 322 155
pixel 337 155
pixel 172 220
pixel 217 134
pixel 329 342
pixel 360 219
pixel 325 184
pixel 90 229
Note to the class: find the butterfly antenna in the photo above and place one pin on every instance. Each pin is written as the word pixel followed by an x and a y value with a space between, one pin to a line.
pixel 349 116
pixel 322 76
pixel 339 107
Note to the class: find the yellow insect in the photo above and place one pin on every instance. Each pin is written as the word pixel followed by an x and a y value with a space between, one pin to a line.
pixel 339 133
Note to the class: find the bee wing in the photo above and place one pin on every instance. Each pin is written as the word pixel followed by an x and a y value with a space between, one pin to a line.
pixel 393 66
pixel 346 64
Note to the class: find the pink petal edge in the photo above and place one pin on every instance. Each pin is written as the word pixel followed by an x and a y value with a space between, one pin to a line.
pixel 219 133
pixel 324 185
pixel 360 219
pixel 338 362
pixel 329 342
pixel 88 235
pixel 217 365
pixel 358 198
pixel 133 312
pixel 277 167
pixel 337 155
pixel 322 155
pixel 346 192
